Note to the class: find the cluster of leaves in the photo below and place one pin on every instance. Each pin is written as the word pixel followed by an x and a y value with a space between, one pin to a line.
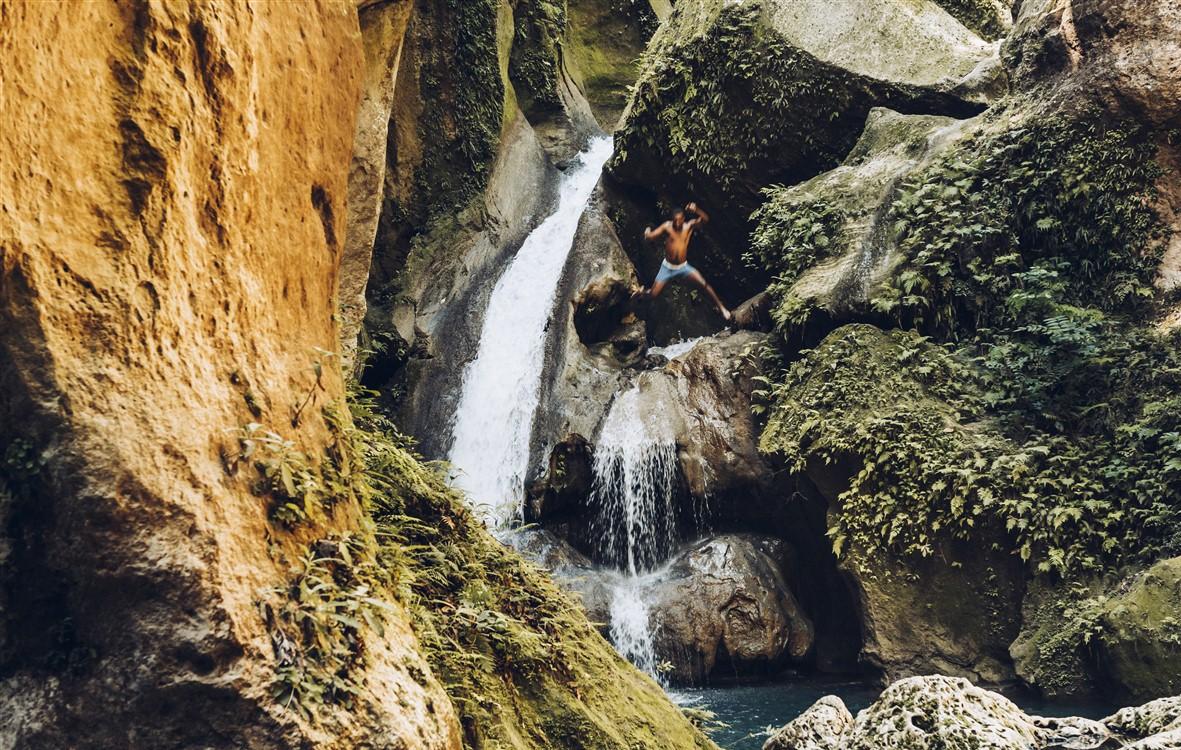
pixel 1068 202
pixel 1043 408
pixel 725 99
pixel 316 624
pixel 790 237
pixel 299 489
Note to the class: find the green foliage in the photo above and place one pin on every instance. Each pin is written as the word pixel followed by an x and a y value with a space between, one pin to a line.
pixel 536 59
pixel 790 237
pixel 1063 208
pixel 463 98
pixel 793 236
pixel 316 624
pixel 729 102
pixel 299 490
pixel 519 661
pixel 1040 405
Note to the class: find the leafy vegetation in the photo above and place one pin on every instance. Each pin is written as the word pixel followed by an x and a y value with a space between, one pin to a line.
pixel 1040 404
pixel 316 623
pixel 727 99
pixel 521 663
pixel 535 62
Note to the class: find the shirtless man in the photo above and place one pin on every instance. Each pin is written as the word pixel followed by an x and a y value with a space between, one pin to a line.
pixel 677 233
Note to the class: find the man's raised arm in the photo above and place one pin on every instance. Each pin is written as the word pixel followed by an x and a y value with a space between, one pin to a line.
pixel 702 216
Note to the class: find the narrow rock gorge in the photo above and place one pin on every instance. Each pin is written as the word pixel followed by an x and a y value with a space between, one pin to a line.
pixel 333 415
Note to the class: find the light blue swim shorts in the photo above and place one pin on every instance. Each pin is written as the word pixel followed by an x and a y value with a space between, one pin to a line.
pixel 668 271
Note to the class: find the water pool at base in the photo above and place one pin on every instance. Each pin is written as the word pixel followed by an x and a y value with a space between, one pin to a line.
pixel 751 710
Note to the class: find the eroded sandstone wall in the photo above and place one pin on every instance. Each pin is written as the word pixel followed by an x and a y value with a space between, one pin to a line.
pixel 172 212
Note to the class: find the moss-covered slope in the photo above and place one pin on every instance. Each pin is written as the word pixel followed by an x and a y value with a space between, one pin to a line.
pixel 519 659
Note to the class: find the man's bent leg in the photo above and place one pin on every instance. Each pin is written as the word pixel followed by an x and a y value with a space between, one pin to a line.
pixel 700 281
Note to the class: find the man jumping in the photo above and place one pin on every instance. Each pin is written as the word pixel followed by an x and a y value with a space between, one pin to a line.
pixel 678 231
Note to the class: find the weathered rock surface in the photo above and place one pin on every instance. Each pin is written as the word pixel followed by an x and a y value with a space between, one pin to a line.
pixel 859 254
pixel 1154 717
pixel 172 183
pixel 1140 639
pixel 382 29
pixel 739 96
pixel 926 713
pixel 1048 653
pixel 723 607
pixel 821 727
pixel 1125 54
pixel 942 712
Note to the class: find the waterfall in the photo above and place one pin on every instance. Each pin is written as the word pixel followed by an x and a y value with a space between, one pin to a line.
pixel 633 497
pixel 631 629
pixel 494 421
pixel 634 480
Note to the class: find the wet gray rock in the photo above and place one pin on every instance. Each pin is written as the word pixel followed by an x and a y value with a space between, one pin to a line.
pixel 724 608
pixel 821 727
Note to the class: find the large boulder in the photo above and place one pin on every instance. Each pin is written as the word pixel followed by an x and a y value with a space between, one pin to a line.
pixel 1125 54
pixel 929 602
pixel 735 97
pixel 929 713
pixel 723 608
pixel 1139 639
pixel 1050 653
pixel 821 727
pixel 828 240
pixel 1155 717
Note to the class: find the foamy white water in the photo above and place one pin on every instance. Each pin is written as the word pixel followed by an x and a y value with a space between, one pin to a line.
pixel 677 349
pixel 631 630
pixel 635 476
pixel 490 448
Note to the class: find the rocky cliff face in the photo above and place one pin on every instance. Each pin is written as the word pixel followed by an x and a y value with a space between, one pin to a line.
pixel 188 509
pixel 174 216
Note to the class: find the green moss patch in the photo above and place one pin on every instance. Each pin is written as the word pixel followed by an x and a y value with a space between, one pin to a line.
pixel 981 16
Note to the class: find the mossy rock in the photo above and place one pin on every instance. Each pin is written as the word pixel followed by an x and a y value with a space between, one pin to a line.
pixel 604 42
pixel 1051 654
pixel 734 97
pixel 828 241
pixel 991 19
pixel 929 602
pixel 1140 635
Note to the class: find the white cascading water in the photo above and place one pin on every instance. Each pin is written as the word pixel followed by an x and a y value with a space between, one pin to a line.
pixel 494 421
pixel 631 630
pixel 635 478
